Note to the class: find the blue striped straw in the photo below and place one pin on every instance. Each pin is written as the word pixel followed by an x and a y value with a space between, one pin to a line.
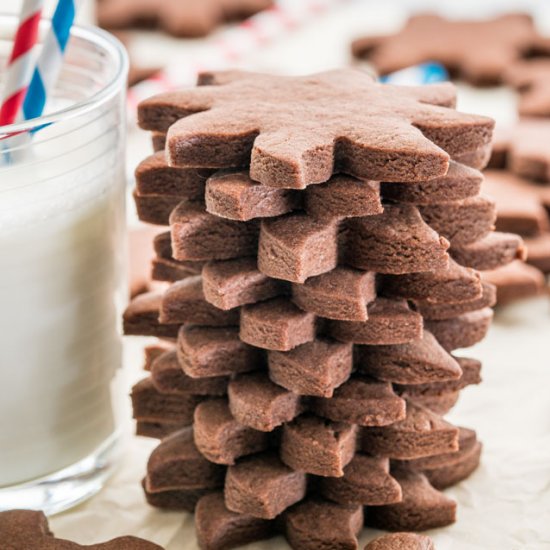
pixel 50 61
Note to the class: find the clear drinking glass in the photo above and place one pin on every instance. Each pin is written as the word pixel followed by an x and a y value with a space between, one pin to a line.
pixel 62 280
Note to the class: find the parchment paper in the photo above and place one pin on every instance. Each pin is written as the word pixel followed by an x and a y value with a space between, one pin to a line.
pixel 505 505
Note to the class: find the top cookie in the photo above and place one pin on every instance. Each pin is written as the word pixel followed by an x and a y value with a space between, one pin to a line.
pixel 184 18
pixel 476 51
pixel 295 131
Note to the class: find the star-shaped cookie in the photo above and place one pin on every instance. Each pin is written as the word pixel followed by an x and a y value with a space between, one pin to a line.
pixel 295 131
pixel 184 18
pixel 28 530
pixel 477 51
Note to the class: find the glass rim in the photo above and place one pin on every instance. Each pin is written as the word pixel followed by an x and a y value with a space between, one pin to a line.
pixel 91 35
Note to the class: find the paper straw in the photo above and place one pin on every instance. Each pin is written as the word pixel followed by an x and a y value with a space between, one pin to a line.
pixel 49 63
pixel 20 63
pixel 232 46
pixel 425 73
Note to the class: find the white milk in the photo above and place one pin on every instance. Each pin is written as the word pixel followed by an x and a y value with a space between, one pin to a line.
pixel 61 221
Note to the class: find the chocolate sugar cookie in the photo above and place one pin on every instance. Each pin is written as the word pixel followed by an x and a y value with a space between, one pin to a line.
pixel 454 284
pixel 363 401
pixel 276 324
pixel 181 18
pixel 28 530
pixel 437 312
pixel 417 362
pixel 155 177
pixel 519 208
pixel 213 126
pixel 421 433
pixel 155 209
pixel 461 46
pixel 184 303
pixel 262 486
pixel 422 507
pixel 390 321
pixel 152 406
pixel 461 222
pixel 232 283
pixel 366 481
pixel 490 252
pixel 314 523
pixel 175 499
pixel 220 438
pixel 448 469
pixel 177 464
pixel 459 183
pixel 219 528
pixel 538 251
pixel 401 541
pixel 234 195
pixel 527 154
pixel 205 352
pixel 295 247
pixel 471 374
pixel 317 446
pixel 198 235
pixel 141 317
pixel 531 78
pixel 258 403
pixel 343 197
pixel 342 293
pixel 168 378
pixel 395 242
pixel 315 368
pixel 463 331
pixel 516 281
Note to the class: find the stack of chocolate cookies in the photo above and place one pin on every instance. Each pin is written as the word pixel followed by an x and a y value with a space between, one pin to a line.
pixel 324 236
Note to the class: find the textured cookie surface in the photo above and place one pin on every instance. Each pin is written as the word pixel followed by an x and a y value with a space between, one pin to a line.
pixel 289 140
pixel 218 527
pixel 314 524
pixel 422 507
pixel 401 541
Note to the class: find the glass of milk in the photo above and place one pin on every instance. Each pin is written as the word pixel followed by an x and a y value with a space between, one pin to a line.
pixel 62 280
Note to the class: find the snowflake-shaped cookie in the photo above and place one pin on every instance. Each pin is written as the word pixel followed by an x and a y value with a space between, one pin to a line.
pixel 295 131
pixel 477 51
pixel 186 18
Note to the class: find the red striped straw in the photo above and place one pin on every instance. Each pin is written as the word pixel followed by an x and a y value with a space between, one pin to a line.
pixel 21 62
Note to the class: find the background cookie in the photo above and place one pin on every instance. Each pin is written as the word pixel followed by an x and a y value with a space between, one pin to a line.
pixel 475 51
pixel 532 81
pixel 185 18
